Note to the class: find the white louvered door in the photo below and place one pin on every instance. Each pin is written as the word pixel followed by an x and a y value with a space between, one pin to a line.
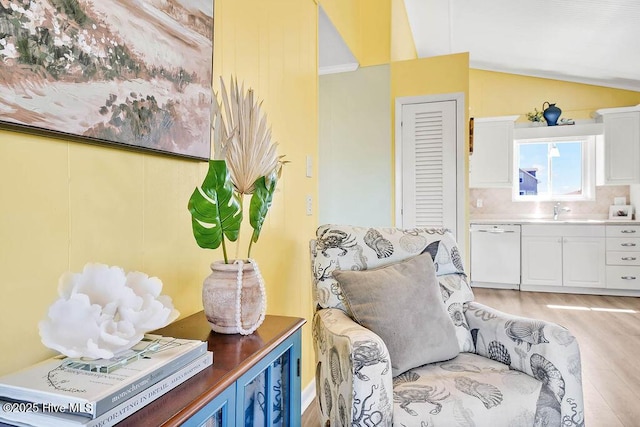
pixel 429 170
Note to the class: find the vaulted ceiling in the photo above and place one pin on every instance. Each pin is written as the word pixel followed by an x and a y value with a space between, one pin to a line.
pixel 585 41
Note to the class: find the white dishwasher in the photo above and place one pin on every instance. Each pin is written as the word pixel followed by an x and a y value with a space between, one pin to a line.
pixel 495 256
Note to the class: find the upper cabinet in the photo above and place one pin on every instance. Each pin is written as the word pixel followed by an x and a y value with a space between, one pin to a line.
pixel 491 163
pixel 621 144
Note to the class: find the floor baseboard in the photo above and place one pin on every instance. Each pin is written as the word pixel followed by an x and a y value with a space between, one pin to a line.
pixel 308 394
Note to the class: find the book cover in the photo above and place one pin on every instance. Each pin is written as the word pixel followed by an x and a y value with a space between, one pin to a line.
pixel 25 415
pixel 93 393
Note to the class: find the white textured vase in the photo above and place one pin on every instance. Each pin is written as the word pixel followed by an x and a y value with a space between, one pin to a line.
pixel 234 298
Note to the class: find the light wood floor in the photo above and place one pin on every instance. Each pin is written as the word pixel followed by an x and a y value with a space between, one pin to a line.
pixel 609 345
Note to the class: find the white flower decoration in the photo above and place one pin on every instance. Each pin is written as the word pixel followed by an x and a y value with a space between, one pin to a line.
pixel 102 311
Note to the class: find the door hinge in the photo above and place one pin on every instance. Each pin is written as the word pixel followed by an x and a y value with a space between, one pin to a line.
pixel 298 367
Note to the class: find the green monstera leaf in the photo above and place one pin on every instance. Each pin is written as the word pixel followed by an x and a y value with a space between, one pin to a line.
pixel 260 203
pixel 215 209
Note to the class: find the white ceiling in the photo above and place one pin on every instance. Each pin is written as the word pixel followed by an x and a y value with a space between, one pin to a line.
pixel 333 54
pixel 586 41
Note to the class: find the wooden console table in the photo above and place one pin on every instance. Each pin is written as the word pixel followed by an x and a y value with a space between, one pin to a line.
pixel 219 394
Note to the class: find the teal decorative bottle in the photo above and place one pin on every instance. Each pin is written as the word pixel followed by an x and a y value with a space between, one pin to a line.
pixel 551 114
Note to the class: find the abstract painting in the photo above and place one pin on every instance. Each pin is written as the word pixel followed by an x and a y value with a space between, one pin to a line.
pixel 131 72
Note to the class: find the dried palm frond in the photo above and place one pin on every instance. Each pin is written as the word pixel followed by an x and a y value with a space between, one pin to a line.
pixel 242 139
pixel 219 128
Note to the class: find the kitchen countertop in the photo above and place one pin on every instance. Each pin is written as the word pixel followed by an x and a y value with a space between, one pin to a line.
pixel 561 221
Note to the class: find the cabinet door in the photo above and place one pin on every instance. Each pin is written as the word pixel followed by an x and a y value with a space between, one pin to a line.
pixel 220 412
pixel 268 394
pixel 542 260
pixel 265 398
pixel 583 262
pixel 622 148
pixel 491 164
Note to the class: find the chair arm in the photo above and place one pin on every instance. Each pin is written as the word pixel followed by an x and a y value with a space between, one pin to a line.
pixel 544 350
pixel 353 372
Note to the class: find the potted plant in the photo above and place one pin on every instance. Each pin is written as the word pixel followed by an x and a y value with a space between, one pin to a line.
pixel 535 117
pixel 245 163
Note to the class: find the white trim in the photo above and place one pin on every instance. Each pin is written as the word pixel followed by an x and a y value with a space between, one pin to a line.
pixel 461 171
pixel 604 111
pixel 488 285
pixel 547 132
pixel 308 395
pixel 496 119
pixel 341 68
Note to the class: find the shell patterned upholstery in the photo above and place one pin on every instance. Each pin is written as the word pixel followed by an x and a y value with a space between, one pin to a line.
pixel 339 247
pixel 512 371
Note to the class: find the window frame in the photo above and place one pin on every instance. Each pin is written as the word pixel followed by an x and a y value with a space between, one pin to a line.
pixel 588 170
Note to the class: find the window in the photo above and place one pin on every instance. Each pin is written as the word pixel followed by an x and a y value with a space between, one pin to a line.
pixel 555 169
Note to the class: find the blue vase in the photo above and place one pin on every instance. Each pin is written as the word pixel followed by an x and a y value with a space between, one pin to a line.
pixel 551 113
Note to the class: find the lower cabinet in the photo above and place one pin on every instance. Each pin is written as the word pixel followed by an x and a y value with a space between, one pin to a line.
pixel 579 258
pixel 583 262
pixel 623 257
pixel 563 255
pixel 267 395
pixel 254 380
pixel 541 260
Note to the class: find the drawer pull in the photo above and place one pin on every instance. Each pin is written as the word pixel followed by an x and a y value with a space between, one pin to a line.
pixel 627 231
pixel 627 244
pixel 628 258
pixel 628 277
pixel 495 231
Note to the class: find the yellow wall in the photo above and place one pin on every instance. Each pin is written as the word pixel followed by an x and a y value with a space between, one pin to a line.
pixel 365 26
pixel 497 94
pixel 272 46
pixel 375 33
pixel 63 203
pixel 402 44
pixel 427 76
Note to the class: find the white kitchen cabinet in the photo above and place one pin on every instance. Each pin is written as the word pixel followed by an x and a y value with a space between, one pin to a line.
pixel 563 255
pixel 623 257
pixel 583 262
pixel 541 260
pixel 621 145
pixel 491 163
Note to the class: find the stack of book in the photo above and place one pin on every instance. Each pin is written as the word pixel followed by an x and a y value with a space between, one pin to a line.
pixel 70 392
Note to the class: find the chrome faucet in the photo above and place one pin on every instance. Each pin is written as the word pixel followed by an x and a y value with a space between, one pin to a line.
pixel 557 209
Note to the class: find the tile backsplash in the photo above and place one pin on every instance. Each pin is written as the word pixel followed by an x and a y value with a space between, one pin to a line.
pixel 497 204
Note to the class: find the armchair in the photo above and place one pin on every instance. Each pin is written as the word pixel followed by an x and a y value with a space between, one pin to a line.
pixel 510 371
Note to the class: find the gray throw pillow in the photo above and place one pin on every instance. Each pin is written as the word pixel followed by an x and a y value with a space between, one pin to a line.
pixel 402 304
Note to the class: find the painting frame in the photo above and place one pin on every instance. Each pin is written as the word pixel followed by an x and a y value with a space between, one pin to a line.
pixel 621 212
pixel 133 75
